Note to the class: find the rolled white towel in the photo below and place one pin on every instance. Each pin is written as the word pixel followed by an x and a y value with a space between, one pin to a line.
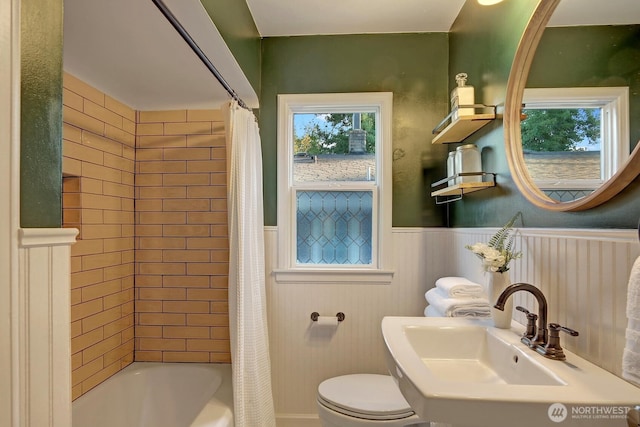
pixel 459 287
pixel 458 307
pixel 431 311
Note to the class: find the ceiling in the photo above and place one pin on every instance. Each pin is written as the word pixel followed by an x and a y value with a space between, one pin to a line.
pixel 127 49
pixel 304 17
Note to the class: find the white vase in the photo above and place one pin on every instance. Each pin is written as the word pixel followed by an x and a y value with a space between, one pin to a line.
pixel 497 283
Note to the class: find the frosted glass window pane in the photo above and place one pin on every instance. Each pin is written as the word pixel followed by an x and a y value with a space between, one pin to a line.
pixel 334 227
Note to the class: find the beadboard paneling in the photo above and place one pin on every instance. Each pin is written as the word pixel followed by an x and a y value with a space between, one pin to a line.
pixel 41 307
pixel 303 355
pixel 583 273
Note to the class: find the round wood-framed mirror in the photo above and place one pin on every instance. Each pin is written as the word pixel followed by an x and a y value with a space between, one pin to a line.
pixel 512 127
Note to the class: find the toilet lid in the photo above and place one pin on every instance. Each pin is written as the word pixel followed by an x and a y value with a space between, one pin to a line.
pixel 369 396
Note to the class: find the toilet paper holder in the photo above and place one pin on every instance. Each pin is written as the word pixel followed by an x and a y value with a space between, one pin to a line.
pixel 315 315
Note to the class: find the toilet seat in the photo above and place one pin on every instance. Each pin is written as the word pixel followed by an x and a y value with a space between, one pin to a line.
pixel 366 396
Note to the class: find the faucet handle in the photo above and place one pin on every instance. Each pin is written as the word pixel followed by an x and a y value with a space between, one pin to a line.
pixel 531 326
pixel 529 314
pixel 553 350
pixel 556 327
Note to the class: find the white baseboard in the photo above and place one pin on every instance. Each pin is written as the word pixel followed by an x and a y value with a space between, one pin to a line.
pixel 297 420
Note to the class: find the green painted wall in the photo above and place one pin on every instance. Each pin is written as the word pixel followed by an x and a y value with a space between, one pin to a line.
pixel 412 66
pixel 483 43
pixel 418 68
pixel 233 20
pixel 41 113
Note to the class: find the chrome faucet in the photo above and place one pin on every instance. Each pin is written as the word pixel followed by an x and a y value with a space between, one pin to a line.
pixel 539 340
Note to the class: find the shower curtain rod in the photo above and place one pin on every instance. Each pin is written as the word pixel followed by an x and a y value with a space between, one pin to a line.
pixel 196 49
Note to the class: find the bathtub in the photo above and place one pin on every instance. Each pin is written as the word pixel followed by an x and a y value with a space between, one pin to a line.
pixel 160 395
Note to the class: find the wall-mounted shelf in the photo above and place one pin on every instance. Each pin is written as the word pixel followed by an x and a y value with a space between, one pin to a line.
pixel 450 130
pixel 455 192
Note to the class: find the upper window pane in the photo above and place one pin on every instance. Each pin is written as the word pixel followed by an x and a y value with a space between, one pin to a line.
pixel 334 147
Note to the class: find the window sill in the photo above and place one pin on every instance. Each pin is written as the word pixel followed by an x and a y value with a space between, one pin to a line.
pixel 318 275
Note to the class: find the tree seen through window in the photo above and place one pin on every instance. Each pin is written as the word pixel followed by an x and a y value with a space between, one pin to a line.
pixel 328 133
pixel 561 129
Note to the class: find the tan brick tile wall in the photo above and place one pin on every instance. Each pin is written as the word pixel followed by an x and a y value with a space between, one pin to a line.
pixel 148 192
pixel 181 254
pixel 98 198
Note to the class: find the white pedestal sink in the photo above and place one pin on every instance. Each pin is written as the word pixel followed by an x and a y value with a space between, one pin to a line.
pixel 469 374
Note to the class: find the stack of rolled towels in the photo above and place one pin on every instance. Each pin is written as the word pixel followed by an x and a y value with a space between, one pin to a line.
pixel 457 297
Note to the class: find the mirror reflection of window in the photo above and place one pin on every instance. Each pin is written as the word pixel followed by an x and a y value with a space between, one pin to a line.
pixel 574 139
pixel 562 143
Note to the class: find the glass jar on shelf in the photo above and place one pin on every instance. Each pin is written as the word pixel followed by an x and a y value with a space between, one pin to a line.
pixel 467 159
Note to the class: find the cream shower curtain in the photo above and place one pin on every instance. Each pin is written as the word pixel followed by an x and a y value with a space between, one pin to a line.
pixel 253 400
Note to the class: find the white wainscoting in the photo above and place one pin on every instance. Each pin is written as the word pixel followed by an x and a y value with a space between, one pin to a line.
pixel 302 355
pixel 583 273
pixel 44 338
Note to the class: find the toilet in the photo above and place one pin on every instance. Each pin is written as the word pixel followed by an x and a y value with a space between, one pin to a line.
pixel 364 400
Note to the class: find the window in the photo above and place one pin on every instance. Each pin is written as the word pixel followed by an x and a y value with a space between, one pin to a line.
pixel 574 139
pixel 334 188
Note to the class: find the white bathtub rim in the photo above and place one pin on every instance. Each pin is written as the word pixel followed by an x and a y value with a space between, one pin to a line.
pixel 220 405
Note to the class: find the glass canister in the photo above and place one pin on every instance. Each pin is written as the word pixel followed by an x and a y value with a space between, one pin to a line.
pixel 467 159
pixel 451 167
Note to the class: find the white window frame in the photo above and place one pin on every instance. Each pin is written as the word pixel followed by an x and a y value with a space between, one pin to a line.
pixel 379 271
pixel 614 102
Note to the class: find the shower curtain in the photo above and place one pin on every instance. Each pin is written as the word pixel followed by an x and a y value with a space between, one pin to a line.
pixel 251 367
